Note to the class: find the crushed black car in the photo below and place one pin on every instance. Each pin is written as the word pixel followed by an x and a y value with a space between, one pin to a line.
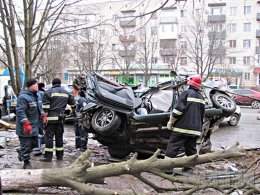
pixel 126 123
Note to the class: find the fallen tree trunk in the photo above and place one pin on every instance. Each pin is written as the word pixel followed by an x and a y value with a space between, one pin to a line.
pixel 6 125
pixel 81 173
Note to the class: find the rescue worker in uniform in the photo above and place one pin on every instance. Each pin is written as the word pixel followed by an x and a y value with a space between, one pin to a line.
pixel 186 120
pixel 54 103
pixel 28 116
pixel 81 133
pixel 79 84
pixel 37 150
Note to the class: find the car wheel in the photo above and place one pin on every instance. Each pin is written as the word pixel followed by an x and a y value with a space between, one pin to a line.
pixel 225 102
pixel 255 104
pixel 234 119
pixel 105 121
pixel 118 152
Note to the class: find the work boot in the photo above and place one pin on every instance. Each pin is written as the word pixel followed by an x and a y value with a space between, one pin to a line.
pixel 44 159
pixel 27 165
pixel 59 158
pixel 18 150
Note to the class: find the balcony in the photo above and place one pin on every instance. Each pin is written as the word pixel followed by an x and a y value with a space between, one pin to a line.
pixel 128 23
pixel 217 18
pixel 168 52
pixel 217 35
pixel 257 33
pixel 219 51
pixel 127 39
pixel 168 20
pixel 126 53
pixel 258 17
pixel 257 50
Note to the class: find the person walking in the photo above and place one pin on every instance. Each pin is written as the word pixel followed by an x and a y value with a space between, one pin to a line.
pixel 54 103
pixel 28 114
pixel 81 135
pixel 186 120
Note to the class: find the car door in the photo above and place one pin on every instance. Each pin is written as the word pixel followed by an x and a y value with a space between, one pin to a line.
pixel 246 98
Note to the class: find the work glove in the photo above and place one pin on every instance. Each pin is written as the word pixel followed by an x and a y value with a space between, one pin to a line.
pixel 44 119
pixel 27 128
pixel 171 122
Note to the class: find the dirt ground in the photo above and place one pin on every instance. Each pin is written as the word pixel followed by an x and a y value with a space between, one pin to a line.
pixel 8 160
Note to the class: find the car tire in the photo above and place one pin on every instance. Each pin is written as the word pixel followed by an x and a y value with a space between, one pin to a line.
pixel 255 104
pixel 234 119
pixel 119 152
pixel 225 102
pixel 105 121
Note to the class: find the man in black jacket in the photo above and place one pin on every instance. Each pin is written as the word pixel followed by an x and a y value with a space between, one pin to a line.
pixel 54 104
pixel 186 120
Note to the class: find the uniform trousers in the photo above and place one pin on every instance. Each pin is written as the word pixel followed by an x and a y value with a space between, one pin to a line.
pixel 54 130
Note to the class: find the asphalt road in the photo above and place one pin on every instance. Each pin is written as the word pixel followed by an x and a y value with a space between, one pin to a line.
pixel 247 132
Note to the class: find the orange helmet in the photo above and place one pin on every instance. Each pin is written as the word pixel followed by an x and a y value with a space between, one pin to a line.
pixel 195 81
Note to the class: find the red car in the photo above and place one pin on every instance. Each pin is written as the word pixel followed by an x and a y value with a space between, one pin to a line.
pixel 247 97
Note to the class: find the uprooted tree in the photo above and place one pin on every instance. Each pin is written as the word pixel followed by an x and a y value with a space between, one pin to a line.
pixel 81 173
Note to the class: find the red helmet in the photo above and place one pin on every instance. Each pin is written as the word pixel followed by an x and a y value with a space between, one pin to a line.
pixel 195 81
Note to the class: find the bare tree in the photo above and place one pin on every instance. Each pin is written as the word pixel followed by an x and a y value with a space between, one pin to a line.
pixel 31 23
pixel 206 43
pixel 146 52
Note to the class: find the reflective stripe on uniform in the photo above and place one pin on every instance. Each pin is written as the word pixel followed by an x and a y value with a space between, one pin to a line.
pixel 177 112
pixel 48 149
pixel 46 106
pixel 53 118
pixel 59 95
pixel 192 132
pixel 189 99
pixel 59 149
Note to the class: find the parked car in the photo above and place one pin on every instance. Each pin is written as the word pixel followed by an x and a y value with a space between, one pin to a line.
pixel 234 118
pixel 247 97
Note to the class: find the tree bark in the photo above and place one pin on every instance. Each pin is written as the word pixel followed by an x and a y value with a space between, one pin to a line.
pixel 80 173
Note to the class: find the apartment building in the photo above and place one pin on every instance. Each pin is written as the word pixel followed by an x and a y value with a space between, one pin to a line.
pixel 142 41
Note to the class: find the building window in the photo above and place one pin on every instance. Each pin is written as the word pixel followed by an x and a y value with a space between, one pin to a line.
pixel 141 60
pixel 246 60
pixel 247 10
pixel 247 27
pixel 154 60
pixel 233 11
pixel 113 47
pixel 183 44
pixel 183 28
pixel 246 43
pixel 168 28
pixel 114 18
pixel 233 27
pixel 183 61
pixel 232 43
pixel 217 27
pixel 75 63
pixel 216 11
pixel 154 45
pixel 232 60
pixel 258 59
pixel 247 76
pixel 198 12
pixel 153 31
pixel 183 13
